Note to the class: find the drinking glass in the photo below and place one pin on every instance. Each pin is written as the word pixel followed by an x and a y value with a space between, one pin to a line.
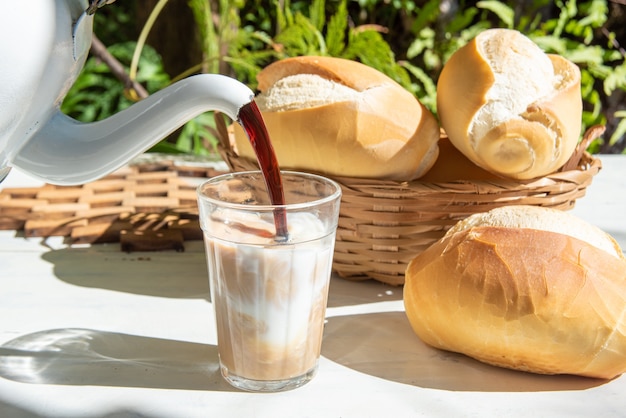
pixel 269 291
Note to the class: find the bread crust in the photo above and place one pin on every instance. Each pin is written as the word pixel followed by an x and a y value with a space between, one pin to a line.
pixel 521 298
pixel 534 143
pixel 452 165
pixel 347 72
pixel 387 133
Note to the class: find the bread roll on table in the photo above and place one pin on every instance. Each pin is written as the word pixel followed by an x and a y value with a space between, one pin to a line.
pixel 526 288
pixel 343 118
pixel 509 107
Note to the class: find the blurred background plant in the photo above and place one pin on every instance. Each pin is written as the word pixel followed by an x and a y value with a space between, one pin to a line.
pixel 160 41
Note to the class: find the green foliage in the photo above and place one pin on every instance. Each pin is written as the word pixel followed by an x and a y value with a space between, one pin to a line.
pixel 97 94
pixel 408 40
pixel 298 31
pixel 327 35
pixel 504 12
pixel 572 34
pixel 206 30
pixel 197 136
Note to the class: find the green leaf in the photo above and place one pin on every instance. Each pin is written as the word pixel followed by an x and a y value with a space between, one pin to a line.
pixel 428 93
pixel 616 79
pixel 424 42
pixel 336 31
pixel 597 13
pixel 369 47
pixel 462 20
pixel 504 12
pixel 302 38
pixel 197 135
pixel 620 129
pixel 426 16
pixel 585 55
pixel 568 11
pixel 551 44
pixel 317 14
pixel 281 18
pixel 166 147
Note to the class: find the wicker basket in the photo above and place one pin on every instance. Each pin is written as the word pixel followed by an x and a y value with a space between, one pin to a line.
pixel 384 224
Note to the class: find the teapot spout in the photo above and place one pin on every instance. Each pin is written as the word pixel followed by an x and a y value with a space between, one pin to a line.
pixel 68 152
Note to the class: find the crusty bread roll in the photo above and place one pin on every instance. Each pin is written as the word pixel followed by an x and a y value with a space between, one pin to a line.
pixel 525 288
pixel 342 118
pixel 508 106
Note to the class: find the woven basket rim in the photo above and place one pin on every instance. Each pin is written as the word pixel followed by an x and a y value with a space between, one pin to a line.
pixel 588 165
pixel 383 224
pixel 577 166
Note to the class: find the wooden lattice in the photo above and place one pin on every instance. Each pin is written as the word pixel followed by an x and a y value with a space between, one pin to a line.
pixel 145 207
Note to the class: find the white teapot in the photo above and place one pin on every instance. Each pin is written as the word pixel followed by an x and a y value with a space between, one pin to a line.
pixel 43 47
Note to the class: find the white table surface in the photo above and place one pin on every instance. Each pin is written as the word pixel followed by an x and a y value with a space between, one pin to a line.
pixel 96 332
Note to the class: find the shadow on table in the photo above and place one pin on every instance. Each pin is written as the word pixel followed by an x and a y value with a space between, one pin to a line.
pixel 163 274
pixel 381 345
pixel 385 346
pixel 96 358
pixel 177 275
pixel 9 410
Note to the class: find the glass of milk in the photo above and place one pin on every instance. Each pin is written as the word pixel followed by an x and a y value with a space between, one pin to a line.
pixel 269 292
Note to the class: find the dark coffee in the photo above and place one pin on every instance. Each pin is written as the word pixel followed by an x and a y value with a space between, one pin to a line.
pixel 251 120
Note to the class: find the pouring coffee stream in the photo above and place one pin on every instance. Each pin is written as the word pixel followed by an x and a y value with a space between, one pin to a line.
pixel 36 72
pixel 252 122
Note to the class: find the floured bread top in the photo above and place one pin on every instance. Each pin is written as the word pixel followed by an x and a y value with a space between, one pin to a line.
pixel 545 219
pixel 523 74
pixel 303 91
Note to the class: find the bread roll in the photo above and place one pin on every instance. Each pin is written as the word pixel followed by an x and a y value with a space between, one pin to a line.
pixel 342 118
pixel 509 107
pixel 525 288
